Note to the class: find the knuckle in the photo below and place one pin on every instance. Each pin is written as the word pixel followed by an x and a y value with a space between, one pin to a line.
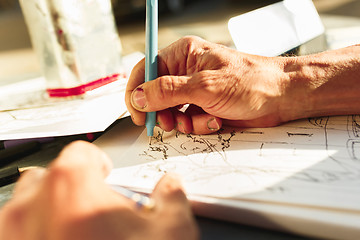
pixel 70 149
pixel 73 151
pixel 207 82
pixel 190 43
pixel 188 40
pixel 166 86
pixel 76 145
pixel 58 177
pixel 176 192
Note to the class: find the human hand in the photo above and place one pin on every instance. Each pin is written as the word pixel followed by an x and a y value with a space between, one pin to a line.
pixel 70 200
pixel 227 87
pixel 222 86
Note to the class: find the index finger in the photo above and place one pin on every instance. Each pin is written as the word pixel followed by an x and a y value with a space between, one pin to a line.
pixel 137 77
pixel 172 60
pixel 84 158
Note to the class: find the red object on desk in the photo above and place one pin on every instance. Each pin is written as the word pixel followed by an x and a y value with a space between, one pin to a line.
pixel 79 90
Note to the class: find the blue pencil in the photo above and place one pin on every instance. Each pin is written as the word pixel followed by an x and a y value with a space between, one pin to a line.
pixel 151 54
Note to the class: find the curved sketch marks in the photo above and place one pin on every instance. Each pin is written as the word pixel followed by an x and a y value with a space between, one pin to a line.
pixel 191 145
pixel 355 124
pixel 353 143
pixel 342 143
pixel 209 155
pixel 308 162
pixel 343 136
pixel 318 121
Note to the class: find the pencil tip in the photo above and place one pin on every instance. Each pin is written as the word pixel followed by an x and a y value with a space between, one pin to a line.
pixel 150 131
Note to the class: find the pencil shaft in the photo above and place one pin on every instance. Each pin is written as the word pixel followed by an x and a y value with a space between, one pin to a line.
pixel 151 54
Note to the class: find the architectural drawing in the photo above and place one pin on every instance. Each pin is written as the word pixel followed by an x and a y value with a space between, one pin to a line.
pixel 314 162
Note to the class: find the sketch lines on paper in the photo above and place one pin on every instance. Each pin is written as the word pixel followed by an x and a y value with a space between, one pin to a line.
pixel 192 145
pixel 320 151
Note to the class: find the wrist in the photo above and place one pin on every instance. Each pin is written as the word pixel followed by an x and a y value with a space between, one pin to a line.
pixel 322 84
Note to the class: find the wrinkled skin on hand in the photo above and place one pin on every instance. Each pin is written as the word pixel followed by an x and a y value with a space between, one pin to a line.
pixel 225 87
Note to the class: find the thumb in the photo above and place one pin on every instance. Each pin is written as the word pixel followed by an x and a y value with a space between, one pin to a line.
pixel 170 197
pixel 85 159
pixel 172 205
pixel 162 93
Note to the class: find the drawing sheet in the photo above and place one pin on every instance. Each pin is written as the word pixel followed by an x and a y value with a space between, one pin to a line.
pixel 311 163
pixel 27 112
pixel 61 118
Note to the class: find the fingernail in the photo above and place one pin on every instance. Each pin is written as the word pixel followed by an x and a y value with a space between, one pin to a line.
pixel 213 125
pixel 138 98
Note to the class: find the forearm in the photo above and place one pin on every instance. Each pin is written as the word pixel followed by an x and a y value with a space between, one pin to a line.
pixel 323 84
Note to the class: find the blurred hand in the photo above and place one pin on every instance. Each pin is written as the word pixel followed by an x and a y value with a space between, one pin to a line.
pixel 70 200
pixel 222 86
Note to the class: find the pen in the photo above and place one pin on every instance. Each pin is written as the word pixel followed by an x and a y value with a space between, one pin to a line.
pixel 142 201
pixel 151 54
pixel 12 153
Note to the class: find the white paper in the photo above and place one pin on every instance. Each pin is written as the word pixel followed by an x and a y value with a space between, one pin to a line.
pixel 26 112
pixel 342 37
pixel 314 163
pixel 64 118
pixel 277 28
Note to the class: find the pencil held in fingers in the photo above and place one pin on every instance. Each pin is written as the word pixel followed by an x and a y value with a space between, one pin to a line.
pixel 151 54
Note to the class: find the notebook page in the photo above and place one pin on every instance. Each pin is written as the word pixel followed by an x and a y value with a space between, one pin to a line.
pixel 312 163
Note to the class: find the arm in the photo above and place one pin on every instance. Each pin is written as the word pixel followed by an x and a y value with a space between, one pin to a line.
pixel 224 86
pixel 324 84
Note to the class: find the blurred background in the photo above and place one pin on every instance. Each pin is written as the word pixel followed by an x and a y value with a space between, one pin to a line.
pixel 204 18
